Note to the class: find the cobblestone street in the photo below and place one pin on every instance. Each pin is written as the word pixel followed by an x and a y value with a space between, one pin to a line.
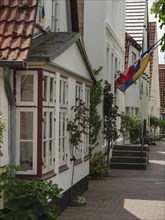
pixel 127 194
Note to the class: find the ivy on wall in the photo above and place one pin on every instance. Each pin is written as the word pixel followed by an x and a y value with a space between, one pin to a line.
pixel 95 119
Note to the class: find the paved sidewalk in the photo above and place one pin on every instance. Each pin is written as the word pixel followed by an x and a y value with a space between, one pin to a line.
pixel 127 194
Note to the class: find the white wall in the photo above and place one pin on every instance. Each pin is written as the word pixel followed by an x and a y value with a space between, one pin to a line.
pixel 115 14
pixel 5 112
pixel 154 99
pixel 104 35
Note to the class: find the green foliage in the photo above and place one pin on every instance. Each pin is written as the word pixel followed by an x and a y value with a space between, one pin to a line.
pixel 27 199
pixel 2 129
pixel 79 124
pixel 131 124
pixel 98 168
pixel 110 114
pixel 158 8
pixel 95 100
pixel 79 201
pixel 156 122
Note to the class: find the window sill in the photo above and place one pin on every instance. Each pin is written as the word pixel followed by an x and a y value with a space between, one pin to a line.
pixel 63 168
pixel 77 161
pixel 86 158
pixel 48 175
pixel 45 176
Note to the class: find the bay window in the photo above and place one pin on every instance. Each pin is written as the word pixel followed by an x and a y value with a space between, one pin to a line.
pixel 26 115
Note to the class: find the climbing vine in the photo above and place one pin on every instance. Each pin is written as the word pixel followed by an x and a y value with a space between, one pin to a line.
pixel 2 129
pixel 95 120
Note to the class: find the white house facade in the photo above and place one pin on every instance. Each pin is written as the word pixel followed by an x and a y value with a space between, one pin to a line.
pixel 38 90
pixel 137 28
pixel 104 39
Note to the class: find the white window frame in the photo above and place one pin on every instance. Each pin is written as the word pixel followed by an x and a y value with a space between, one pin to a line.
pixel 34 110
pixel 48 167
pixel 49 107
pixel 63 85
pixel 63 138
pixel 78 91
pixel 18 88
pixel 63 110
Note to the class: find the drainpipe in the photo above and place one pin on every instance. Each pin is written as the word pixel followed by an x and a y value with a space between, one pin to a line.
pixel 12 124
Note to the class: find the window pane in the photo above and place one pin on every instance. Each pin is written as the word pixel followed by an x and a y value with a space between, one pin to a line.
pixel 27 88
pixel 51 125
pixel 60 93
pixel 45 126
pixel 44 155
pixel 50 152
pixel 26 125
pixel 64 93
pixel 45 88
pixel 26 155
pixel 64 121
pixel 51 89
pixel 60 114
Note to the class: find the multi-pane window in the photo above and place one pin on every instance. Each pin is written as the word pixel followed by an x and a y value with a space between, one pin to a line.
pixel 26 92
pixel 79 91
pixel 134 57
pixel 48 89
pixel 137 111
pixel 26 102
pixel 127 110
pixel 63 118
pixel 26 156
pixel 48 121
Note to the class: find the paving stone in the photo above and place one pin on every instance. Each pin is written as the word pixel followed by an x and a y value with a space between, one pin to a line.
pixel 126 194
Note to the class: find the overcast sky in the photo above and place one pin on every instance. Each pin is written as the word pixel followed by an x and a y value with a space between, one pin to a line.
pixel 160 31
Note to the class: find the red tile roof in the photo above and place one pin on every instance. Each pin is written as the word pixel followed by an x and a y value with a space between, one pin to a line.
pixel 17 20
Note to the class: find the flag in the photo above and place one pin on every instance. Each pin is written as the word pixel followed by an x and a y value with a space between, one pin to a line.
pixel 42 15
pixel 132 73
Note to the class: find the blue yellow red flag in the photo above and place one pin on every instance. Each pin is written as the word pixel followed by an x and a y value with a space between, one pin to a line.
pixel 42 15
pixel 133 72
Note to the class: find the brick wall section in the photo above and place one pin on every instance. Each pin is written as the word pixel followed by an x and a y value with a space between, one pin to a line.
pixel 152 40
pixel 80 7
pixel 162 87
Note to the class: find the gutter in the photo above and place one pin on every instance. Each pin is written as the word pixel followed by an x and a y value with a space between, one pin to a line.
pixel 12 123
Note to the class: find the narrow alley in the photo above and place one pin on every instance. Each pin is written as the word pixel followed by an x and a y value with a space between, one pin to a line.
pixel 126 194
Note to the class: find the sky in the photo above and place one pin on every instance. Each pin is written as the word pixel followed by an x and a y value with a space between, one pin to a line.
pixel 160 31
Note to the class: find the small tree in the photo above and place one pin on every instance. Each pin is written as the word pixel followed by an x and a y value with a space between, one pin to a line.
pixel 76 128
pixel 156 122
pixel 158 8
pixel 110 116
pixel 132 125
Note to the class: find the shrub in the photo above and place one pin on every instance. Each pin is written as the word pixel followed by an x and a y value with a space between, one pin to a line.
pixel 98 166
pixel 28 199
